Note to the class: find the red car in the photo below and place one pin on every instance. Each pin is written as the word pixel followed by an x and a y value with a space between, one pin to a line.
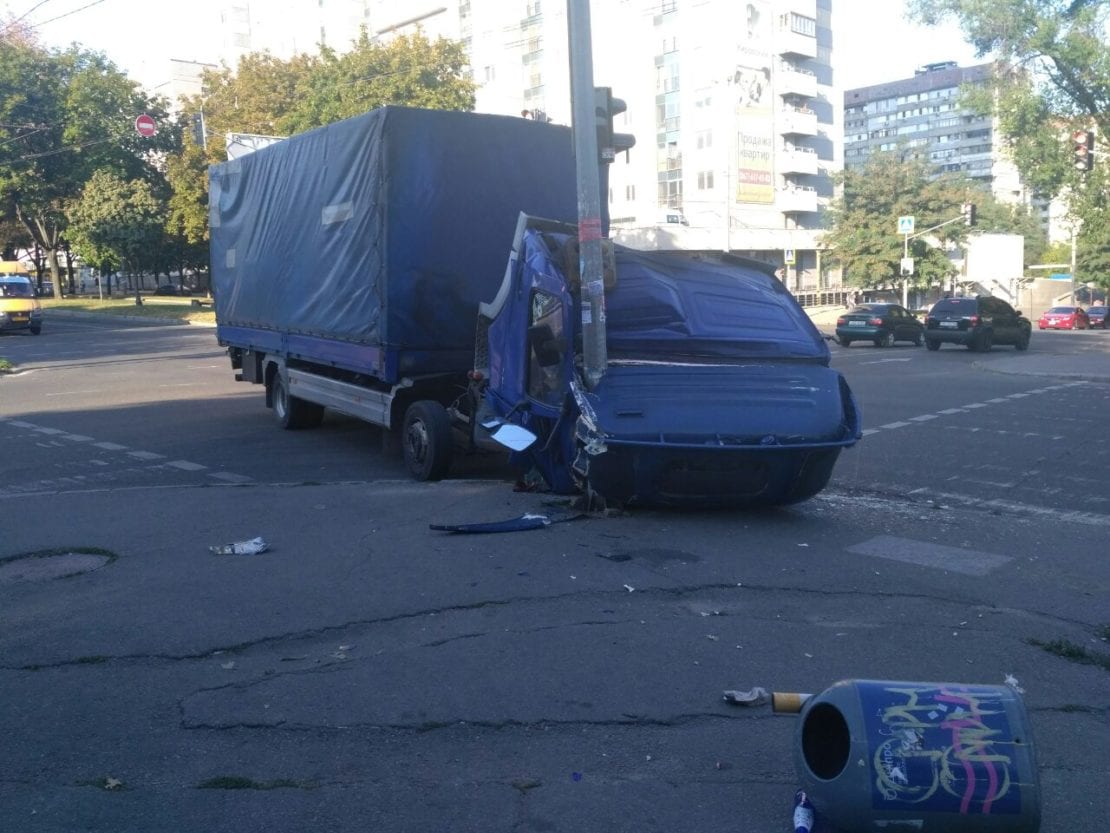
pixel 1065 318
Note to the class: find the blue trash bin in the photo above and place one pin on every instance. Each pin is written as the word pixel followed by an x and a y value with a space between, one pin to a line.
pixel 882 754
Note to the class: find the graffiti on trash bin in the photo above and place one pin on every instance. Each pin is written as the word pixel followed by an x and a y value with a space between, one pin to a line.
pixel 943 749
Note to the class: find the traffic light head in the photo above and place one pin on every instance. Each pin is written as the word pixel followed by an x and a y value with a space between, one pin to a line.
pixel 1083 149
pixel 609 144
pixel 968 212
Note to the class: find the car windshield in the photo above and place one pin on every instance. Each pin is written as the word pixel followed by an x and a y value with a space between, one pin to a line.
pixel 1062 310
pixel 956 306
pixel 16 288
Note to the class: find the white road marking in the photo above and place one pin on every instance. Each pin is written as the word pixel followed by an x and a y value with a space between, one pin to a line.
pixel 50 430
pixel 72 392
pixel 111 446
pixel 146 455
pixel 895 425
pixel 950 411
pixel 185 465
pixel 924 418
pixel 77 438
pixel 927 554
pixel 883 361
pixel 229 477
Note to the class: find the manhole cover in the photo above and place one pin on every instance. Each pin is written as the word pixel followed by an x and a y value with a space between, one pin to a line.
pixel 42 567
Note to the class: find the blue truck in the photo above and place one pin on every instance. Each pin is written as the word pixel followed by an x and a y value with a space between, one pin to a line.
pixel 418 269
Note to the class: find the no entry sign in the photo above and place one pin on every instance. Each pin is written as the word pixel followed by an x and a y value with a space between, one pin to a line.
pixel 145 125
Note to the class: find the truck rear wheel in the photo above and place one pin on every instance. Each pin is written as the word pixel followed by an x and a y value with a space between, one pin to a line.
pixel 293 413
pixel 426 440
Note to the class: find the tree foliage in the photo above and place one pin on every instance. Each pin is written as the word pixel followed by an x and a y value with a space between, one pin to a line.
pixel 1053 78
pixel 117 222
pixel 65 115
pixel 863 236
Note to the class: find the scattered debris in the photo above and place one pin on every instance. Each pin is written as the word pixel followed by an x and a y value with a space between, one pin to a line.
pixel 756 697
pixel 804 815
pixel 1012 682
pixel 629 588
pixel 252 547
pixel 111 783
pixel 227 666
pixel 526 521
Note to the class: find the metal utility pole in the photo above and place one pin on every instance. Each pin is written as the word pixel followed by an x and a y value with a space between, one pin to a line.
pixel 592 286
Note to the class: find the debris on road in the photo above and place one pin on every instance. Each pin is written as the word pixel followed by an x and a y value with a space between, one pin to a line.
pixel 756 697
pixel 528 520
pixel 252 547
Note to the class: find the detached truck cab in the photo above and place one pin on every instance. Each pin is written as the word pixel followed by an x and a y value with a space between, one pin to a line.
pixel 418 269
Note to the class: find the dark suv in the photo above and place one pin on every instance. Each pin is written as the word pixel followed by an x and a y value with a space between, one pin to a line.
pixel 979 323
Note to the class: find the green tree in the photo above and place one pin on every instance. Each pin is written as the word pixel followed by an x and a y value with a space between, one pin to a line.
pixel 64 115
pixel 410 70
pixel 117 223
pixel 1053 78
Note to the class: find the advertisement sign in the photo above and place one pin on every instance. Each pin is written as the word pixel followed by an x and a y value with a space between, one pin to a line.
pixel 753 104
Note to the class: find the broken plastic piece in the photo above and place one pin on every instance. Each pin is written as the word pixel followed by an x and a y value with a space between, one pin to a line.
pixel 788 702
pixel 756 697
pixel 526 521
pixel 252 547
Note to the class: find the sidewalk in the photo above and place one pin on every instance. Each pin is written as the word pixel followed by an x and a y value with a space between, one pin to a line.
pixel 1092 366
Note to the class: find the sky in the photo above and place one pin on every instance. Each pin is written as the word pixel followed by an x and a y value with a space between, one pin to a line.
pixel 875 43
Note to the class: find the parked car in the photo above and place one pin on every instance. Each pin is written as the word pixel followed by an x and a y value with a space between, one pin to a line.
pixel 978 323
pixel 170 289
pixel 46 289
pixel 881 324
pixel 1096 317
pixel 1064 318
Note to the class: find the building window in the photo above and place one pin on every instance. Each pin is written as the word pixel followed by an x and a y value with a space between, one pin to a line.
pixel 704 139
pixel 670 45
pixel 705 180
pixel 669 6
pixel 533 8
pixel 629 193
pixel 489 73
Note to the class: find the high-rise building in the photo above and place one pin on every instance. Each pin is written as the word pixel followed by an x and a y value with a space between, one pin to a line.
pixel 923 116
pixel 736 117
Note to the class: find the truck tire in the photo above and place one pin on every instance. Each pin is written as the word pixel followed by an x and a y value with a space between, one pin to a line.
pixel 426 440
pixel 293 413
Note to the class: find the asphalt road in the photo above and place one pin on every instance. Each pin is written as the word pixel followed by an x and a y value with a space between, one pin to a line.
pixel 368 673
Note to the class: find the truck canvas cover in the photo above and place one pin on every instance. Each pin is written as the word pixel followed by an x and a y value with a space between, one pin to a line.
pixel 369 243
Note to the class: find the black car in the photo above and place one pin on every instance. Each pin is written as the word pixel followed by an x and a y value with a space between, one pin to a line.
pixel 977 323
pixel 1097 317
pixel 881 324
pixel 170 289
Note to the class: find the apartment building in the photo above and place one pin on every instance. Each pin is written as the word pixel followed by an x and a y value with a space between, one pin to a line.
pixel 736 118
pixel 922 115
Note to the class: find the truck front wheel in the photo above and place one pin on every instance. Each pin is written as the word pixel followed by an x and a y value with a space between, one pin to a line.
pixel 426 440
pixel 293 413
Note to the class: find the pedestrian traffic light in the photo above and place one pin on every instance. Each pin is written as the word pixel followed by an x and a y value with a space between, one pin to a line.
pixel 967 210
pixel 609 144
pixel 1083 149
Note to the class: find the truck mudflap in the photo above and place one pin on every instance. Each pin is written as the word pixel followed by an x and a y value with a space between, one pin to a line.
pixel 713 436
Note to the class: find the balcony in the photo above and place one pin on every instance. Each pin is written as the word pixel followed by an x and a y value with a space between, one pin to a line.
pixel 788 42
pixel 797 121
pixel 797 160
pixel 795 199
pixel 792 80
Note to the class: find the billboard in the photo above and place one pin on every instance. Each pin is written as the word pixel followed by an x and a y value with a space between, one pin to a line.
pixel 753 103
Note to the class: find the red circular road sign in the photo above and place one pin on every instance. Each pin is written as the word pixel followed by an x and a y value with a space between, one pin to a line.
pixel 145 125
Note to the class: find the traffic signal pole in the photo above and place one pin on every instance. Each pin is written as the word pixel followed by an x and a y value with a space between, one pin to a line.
pixel 583 116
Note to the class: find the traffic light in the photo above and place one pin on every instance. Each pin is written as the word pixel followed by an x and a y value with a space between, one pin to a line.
pixel 1083 149
pixel 609 144
pixel 198 129
pixel 967 210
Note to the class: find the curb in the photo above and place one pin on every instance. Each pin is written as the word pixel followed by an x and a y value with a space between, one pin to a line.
pixel 141 320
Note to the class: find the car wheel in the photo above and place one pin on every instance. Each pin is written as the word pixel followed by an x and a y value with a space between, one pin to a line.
pixel 426 440
pixel 36 329
pixel 932 344
pixel 1022 342
pixel 917 340
pixel 885 340
pixel 844 342
pixel 984 343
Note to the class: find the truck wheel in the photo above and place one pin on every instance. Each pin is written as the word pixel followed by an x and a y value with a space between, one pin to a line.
pixel 293 413
pixel 426 440
pixel 36 329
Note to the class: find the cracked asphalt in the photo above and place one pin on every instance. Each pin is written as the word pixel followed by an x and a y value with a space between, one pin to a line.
pixel 367 673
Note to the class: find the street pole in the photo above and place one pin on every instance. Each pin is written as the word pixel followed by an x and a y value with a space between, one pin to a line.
pixel 1073 266
pixel 584 121
pixel 905 278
